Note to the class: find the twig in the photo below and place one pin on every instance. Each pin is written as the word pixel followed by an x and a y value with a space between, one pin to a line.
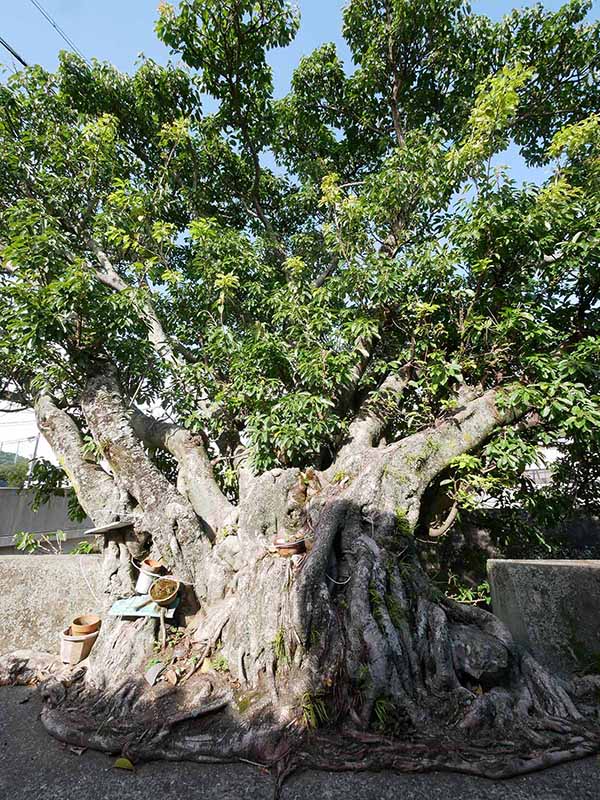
pixel 163 629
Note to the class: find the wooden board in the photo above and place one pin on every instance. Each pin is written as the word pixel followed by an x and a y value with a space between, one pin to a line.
pixel 127 608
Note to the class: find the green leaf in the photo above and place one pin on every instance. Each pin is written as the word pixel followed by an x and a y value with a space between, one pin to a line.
pixel 124 763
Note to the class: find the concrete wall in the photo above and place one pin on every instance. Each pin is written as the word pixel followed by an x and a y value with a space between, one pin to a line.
pixel 16 515
pixel 40 596
pixel 551 608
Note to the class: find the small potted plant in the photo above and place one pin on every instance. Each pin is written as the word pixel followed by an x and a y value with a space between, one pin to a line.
pixel 164 591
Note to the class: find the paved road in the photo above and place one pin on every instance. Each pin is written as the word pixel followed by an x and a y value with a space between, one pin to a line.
pixel 35 767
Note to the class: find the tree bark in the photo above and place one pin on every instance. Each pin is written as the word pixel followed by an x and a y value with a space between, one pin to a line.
pixel 346 657
pixel 195 480
pixel 99 495
pixel 366 429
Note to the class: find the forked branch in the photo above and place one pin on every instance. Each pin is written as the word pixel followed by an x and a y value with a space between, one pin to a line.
pixel 370 422
pixel 195 479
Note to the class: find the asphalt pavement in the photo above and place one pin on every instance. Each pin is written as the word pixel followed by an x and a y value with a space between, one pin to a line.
pixel 33 766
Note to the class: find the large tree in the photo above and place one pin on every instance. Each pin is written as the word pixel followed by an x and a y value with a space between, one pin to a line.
pixel 237 316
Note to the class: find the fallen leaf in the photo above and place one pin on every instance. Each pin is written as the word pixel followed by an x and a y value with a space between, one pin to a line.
pixel 124 763
pixel 171 677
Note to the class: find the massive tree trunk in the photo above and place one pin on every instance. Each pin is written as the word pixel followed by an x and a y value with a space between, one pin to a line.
pixel 346 657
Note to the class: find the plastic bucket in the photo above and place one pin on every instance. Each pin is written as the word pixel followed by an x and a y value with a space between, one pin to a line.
pixel 146 577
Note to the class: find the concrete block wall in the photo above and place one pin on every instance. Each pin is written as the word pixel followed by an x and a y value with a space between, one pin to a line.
pixel 16 515
pixel 551 607
pixel 40 595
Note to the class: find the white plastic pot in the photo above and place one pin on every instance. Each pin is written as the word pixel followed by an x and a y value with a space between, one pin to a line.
pixel 145 579
pixel 144 582
pixel 74 649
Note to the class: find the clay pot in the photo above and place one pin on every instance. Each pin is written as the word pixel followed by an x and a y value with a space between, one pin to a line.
pixel 165 601
pixel 87 623
pixel 74 649
pixel 286 549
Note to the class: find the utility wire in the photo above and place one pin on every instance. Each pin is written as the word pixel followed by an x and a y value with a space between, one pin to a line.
pixel 59 30
pixel 13 52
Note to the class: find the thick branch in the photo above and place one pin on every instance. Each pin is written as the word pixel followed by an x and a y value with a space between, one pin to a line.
pixel 195 477
pixel 163 513
pixel 109 422
pixel 407 467
pixel 466 430
pixel 364 346
pixel 96 490
pixel 327 272
pixel 367 427
pixel 395 92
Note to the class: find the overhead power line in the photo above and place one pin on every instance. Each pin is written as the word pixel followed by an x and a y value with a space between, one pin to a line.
pixel 13 52
pixel 58 29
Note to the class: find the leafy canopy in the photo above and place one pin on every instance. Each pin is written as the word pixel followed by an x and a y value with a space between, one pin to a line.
pixel 298 250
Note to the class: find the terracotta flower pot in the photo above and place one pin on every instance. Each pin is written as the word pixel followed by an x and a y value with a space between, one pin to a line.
pixel 150 565
pixel 87 623
pixel 74 649
pixel 289 548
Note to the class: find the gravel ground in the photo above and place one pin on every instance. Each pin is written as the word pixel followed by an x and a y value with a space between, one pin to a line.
pixel 33 766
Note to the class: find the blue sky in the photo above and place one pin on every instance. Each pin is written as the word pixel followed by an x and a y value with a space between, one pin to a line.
pixel 117 30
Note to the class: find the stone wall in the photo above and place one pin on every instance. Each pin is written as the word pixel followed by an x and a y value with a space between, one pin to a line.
pixel 40 595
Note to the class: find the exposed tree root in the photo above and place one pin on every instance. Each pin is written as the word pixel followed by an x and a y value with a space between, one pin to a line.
pixel 201 721
pixel 31 668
